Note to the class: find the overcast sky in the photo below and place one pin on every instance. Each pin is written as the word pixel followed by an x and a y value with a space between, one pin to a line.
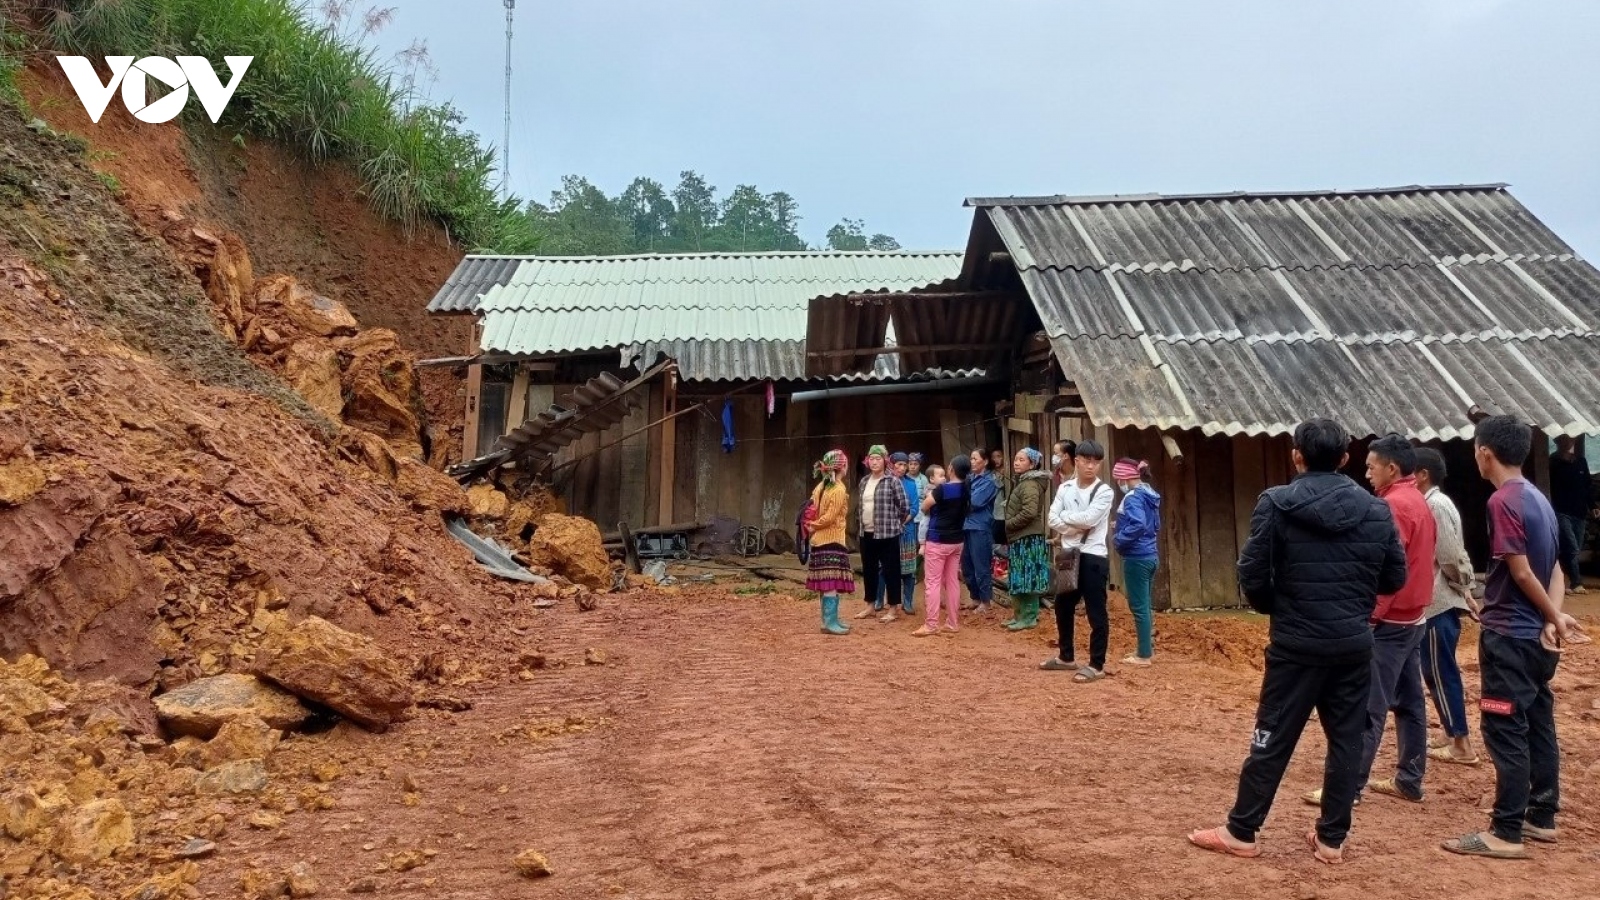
pixel 894 111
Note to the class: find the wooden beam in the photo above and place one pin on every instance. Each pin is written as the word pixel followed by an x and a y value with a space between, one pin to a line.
pixel 469 434
pixel 1172 448
pixel 517 411
pixel 669 445
pixel 926 348
pixel 1021 426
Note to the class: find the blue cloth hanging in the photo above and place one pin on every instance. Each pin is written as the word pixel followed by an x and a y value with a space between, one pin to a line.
pixel 727 426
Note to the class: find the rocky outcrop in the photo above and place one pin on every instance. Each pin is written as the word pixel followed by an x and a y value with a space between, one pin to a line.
pixel 312 369
pixel 335 668
pixel 201 708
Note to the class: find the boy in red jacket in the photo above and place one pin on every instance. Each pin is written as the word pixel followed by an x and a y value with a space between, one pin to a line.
pixel 1399 624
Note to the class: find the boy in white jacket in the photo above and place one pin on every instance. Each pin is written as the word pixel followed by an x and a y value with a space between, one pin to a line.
pixel 1081 515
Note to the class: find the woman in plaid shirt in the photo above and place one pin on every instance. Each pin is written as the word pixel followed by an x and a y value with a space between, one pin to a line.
pixel 885 511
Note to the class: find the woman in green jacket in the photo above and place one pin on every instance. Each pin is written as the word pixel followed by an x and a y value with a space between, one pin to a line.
pixel 1027 508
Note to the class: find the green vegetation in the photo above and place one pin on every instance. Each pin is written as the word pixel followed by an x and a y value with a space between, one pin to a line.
pixel 110 182
pixel 316 87
pixel 12 43
pixel 646 218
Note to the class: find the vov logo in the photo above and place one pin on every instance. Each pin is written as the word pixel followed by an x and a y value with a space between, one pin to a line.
pixel 133 77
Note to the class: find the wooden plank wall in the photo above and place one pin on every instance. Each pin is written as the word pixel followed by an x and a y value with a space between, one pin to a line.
pixel 767 476
pixel 1206 503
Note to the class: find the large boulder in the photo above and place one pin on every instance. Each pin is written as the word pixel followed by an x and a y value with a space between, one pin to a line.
pixel 570 546
pixel 283 298
pixel 312 369
pixel 200 708
pixel 93 832
pixel 429 489
pixel 380 378
pixel 345 672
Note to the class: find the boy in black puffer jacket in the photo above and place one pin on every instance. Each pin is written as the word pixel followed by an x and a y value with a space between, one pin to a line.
pixel 1321 549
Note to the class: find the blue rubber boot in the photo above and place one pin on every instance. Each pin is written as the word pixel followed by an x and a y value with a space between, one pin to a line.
pixel 830 616
pixel 908 593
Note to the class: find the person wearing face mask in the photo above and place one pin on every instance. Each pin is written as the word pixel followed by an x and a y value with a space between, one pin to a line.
pixel 1061 464
pixel 1138 524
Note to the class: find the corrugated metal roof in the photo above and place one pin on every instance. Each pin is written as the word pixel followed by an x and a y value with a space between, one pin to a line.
pixel 744 360
pixel 776 360
pixel 1390 309
pixel 593 406
pixel 562 305
pixel 473 276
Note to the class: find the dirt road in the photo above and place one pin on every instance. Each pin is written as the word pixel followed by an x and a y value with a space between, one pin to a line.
pixel 728 750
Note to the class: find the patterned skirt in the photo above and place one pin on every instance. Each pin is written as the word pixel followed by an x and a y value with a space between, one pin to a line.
pixel 829 570
pixel 908 550
pixel 1030 565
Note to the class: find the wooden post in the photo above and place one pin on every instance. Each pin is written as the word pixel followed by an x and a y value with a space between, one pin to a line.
pixel 469 434
pixel 469 431
pixel 669 444
pixel 517 411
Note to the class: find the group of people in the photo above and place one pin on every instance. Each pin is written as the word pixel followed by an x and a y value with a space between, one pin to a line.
pixel 949 518
pixel 1366 596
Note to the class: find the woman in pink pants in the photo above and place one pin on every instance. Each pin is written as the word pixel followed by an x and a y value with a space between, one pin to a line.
pixel 946 507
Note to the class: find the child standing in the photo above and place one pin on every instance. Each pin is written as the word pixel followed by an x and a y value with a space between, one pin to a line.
pixel 945 510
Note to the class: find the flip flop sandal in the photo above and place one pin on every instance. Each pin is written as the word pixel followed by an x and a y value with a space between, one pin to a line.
pixel 1389 788
pixel 1054 664
pixel 1088 674
pixel 1212 839
pixel 1320 853
pixel 1539 835
pixel 1473 845
pixel 1444 754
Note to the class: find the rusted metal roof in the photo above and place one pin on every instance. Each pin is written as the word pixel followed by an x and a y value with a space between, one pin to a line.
pixel 950 329
pixel 1393 309
pixel 466 285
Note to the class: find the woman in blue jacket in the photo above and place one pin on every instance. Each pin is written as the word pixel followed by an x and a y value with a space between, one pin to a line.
pixel 1138 524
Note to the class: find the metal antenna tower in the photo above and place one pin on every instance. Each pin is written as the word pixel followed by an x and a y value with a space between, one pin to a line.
pixel 505 144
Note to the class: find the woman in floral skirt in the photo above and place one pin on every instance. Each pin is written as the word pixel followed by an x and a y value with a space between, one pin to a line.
pixel 829 572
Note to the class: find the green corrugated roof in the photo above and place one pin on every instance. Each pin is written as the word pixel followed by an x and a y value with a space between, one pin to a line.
pixel 567 304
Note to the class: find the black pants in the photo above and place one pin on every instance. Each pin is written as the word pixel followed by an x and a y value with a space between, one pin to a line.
pixel 1094 572
pixel 1397 686
pixel 1290 690
pixel 1519 729
pixel 880 565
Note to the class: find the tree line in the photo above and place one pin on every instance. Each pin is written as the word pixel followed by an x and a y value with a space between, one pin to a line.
pixel 646 217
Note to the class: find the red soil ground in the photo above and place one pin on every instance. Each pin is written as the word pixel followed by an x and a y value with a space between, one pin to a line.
pixel 729 750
